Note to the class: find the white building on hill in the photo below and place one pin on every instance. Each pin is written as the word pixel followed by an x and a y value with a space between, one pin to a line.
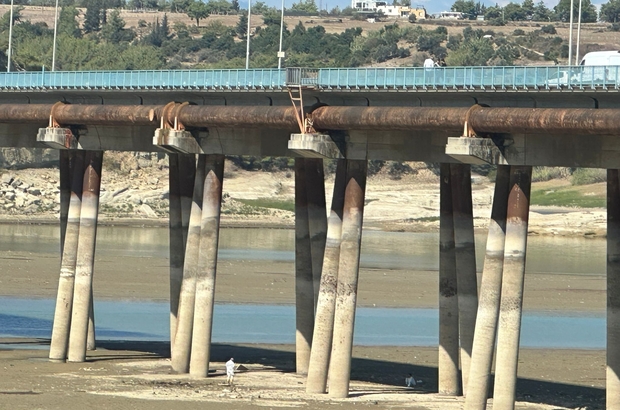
pixel 376 7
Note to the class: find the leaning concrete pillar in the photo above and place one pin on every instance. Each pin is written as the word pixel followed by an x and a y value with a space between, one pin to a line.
pixel 317 218
pixel 465 253
pixel 512 288
pixel 185 322
pixel 207 262
pixel 348 272
pixel 304 285
pixel 448 360
pixel 613 290
pixel 64 300
pixel 490 290
pixel 326 305
pixel 85 257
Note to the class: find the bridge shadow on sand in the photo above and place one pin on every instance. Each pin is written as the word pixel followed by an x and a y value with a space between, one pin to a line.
pixel 389 373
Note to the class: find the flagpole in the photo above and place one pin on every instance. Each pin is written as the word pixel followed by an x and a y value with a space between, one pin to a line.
pixel 8 62
pixel 55 33
pixel 247 48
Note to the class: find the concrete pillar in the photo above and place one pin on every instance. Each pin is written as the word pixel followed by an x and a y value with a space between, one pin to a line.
pixel 207 262
pixel 465 253
pixel 176 246
pixel 326 305
pixel 512 288
pixel 187 175
pixel 66 158
pixel 91 342
pixel 64 300
pixel 85 257
pixel 613 290
pixel 490 290
pixel 448 360
pixel 348 272
pixel 317 219
pixel 185 322
pixel 304 284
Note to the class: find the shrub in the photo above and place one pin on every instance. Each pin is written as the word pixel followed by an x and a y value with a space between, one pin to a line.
pixel 540 174
pixel 548 29
pixel 585 176
pixel 518 32
pixel 412 18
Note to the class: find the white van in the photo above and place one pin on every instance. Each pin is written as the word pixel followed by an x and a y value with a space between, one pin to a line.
pixel 600 66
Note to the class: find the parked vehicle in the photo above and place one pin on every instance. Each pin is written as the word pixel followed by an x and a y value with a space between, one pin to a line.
pixel 600 67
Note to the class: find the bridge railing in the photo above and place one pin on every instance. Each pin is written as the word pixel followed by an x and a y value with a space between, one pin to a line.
pixel 405 78
pixel 146 80
pixel 494 78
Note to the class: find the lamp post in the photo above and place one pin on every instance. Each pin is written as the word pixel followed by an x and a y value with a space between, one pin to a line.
pixel 570 34
pixel 8 62
pixel 280 53
pixel 55 33
pixel 578 34
pixel 247 48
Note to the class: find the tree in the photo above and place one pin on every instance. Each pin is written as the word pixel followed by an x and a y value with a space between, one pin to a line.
pixel 541 12
pixel 198 10
pixel 114 31
pixel 235 6
pixel 610 12
pixel 92 17
pixel 588 11
pixel 467 7
pixel 242 26
pixel 67 23
pixel 305 6
pixel 528 8
pixel 514 12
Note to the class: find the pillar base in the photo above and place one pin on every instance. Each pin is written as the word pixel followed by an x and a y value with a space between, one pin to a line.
pixel 315 145
pixel 177 141
pixel 476 151
pixel 57 138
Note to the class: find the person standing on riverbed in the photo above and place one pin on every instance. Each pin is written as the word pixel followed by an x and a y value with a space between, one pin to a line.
pixel 230 371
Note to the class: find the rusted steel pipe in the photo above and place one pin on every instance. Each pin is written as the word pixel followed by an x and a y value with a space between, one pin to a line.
pixel 451 119
pixel 238 116
pixel 389 118
pixel 545 120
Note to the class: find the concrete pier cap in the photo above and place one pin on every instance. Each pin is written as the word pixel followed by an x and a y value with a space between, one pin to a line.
pixel 475 150
pixel 57 138
pixel 315 145
pixel 177 141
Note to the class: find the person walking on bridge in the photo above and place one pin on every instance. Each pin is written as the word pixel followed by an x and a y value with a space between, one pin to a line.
pixel 230 371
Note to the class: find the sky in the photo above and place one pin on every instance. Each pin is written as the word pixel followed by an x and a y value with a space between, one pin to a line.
pixel 432 6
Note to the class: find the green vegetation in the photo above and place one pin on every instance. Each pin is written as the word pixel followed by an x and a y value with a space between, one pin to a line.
pixel 567 198
pixel 586 176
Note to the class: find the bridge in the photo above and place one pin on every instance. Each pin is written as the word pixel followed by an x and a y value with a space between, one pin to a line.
pixel 512 117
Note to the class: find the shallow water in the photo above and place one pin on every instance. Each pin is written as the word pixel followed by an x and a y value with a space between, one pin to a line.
pixel 276 324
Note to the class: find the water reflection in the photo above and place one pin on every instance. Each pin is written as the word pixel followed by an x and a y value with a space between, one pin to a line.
pixel 385 250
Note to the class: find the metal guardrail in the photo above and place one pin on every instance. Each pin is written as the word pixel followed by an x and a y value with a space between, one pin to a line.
pixel 262 79
pixel 472 78
pixel 325 79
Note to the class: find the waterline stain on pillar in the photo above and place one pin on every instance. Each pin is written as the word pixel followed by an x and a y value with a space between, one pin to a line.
pixel 512 288
pixel 348 273
pixel 326 305
pixel 85 257
pixel 490 291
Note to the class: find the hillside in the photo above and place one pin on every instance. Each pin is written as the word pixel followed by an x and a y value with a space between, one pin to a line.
pixel 188 46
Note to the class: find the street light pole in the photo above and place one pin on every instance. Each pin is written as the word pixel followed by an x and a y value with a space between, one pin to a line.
pixel 8 62
pixel 570 34
pixel 280 54
pixel 578 34
pixel 247 48
pixel 55 33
